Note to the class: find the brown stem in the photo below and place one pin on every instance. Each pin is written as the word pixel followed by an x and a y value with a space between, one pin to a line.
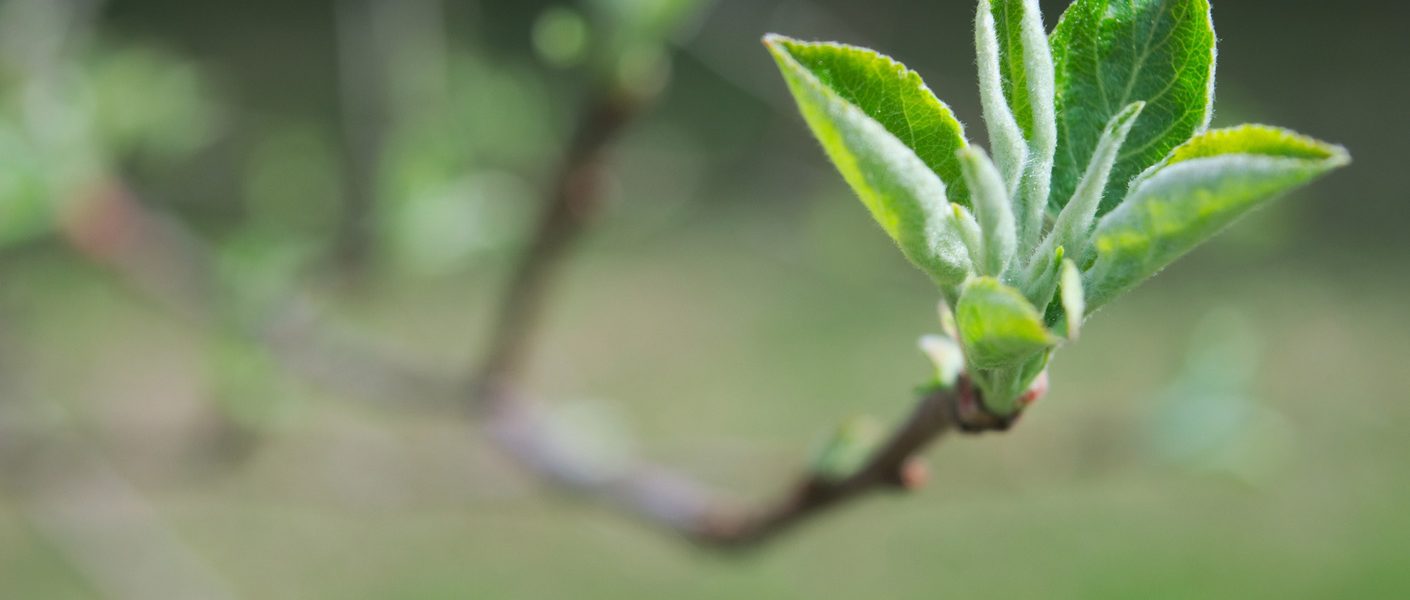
pixel 571 200
pixel 647 491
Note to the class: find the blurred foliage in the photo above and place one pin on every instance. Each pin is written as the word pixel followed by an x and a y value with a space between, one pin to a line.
pixel 1211 416
pixel 72 111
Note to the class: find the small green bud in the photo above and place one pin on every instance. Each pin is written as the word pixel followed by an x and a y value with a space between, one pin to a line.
pixel 848 449
pixel 945 353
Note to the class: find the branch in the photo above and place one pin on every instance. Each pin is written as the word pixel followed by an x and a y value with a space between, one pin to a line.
pixel 140 244
pixel 669 500
pixel 650 492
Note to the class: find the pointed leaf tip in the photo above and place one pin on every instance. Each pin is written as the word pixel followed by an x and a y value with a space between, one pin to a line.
pixel 1206 184
pixel 880 159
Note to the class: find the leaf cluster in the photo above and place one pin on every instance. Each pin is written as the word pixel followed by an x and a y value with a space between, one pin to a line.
pixel 1101 168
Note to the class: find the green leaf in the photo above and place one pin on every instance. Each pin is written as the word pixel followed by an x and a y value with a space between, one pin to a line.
pixel 1265 140
pixel 993 211
pixel 1001 77
pixel 1110 53
pixel 1026 80
pixel 963 222
pixel 891 95
pixel 998 326
pixel 898 187
pixel 1207 184
pixel 1074 223
pixel 1039 288
pixel 1007 19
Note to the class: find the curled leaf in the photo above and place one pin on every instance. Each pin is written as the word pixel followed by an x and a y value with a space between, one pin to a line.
pixel 998 326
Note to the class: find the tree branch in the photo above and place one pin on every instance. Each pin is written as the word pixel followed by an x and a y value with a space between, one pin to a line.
pixel 650 492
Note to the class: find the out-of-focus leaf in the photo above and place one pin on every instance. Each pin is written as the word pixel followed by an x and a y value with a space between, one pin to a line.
pixel 1110 53
pixel 903 194
pixel 249 385
pixel 848 449
pixel 652 20
pixel 998 326
pixel 148 102
pixel 1209 182
pixel 945 353
pixel 1074 300
pixel 561 36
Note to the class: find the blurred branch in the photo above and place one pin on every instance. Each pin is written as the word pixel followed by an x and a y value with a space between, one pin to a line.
pixel 363 72
pixel 111 534
pixel 667 499
pixel 161 258
pixel 164 261
pixel 652 492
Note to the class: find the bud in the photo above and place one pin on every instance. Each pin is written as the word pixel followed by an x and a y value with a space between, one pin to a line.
pixel 946 355
pixel 848 449
pixel 1036 390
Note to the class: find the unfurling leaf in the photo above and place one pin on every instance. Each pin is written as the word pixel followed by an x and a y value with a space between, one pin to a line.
pixel 1040 289
pixel 893 142
pixel 1002 89
pixel 1206 185
pixel 1109 53
pixel 1075 221
pixel 993 211
pixel 945 353
pixel 998 326
pixel 1012 45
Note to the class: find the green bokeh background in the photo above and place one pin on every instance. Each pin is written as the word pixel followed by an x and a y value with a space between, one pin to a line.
pixel 1235 428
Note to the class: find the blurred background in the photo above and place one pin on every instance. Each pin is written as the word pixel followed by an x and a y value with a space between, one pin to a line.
pixel 188 188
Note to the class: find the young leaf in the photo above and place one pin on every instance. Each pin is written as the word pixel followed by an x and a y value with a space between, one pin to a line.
pixel 1074 223
pixel 1074 302
pixel 891 95
pixel 998 326
pixel 997 80
pixel 963 222
pixel 1206 185
pixel 993 211
pixel 947 357
pixel 900 190
pixel 1025 65
pixel 1109 53
pixel 1040 287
